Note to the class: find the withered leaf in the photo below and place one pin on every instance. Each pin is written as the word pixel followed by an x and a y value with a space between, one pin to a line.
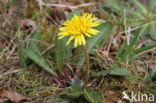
pixel 29 25
pixel 13 96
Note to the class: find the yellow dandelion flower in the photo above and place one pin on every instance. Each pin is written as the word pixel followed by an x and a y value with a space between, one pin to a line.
pixel 78 28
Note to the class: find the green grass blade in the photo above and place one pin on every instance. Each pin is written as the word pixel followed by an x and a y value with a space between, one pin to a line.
pixel 125 55
pixel 105 12
pixel 143 49
pixel 121 50
pixel 40 88
pixel 120 72
pixel 128 49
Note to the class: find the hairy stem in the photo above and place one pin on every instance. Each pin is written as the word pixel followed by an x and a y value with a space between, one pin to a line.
pixel 86 77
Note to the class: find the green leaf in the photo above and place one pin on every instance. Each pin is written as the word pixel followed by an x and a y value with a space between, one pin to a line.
pixel 152 29
pixel 99 39
pixel 142 7
pixel 39 88
pixel 38 59
pixel 57 99
pixel 76 83
pixel 115 5
pixel 60 53
pixel 101 73
pixel 74 92
pixel 152 4
pixel 1 49
pixel 72 14
pixel 120 72
pixel 33 52
pixel 22 55
pixel 138 15
pixel 34 42
pixel 92 96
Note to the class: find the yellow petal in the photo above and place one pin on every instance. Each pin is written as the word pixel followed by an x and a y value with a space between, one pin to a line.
pixel 83 40
pixel 62 33
pixel 84 15
pixel 95 24
pixel 59 34
pixel 88 35
pixel 63 29
pixel 66 23
pixel 70 39
pixel 89 16
pixel 61 37
pixel 93 31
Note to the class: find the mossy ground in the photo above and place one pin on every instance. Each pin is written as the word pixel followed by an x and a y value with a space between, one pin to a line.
pixel 37 83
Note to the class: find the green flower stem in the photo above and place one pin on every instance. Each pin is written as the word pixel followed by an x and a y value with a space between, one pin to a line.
pixel 86 77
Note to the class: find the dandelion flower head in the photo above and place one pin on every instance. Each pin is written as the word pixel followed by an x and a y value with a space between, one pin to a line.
pixel 78 28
